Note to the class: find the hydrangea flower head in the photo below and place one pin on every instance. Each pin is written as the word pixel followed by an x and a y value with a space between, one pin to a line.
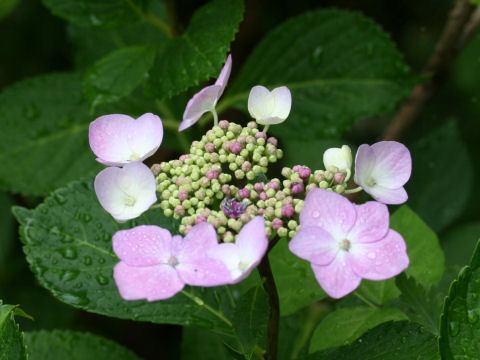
pixel 126 192
pixel 247 252
pixel 341 158
pixel 206 99
pixel 346 243
pixel 382 169
pixel 156 265
pixel 119 139
pixel 269 107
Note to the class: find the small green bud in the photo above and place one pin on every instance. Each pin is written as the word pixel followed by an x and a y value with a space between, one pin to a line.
pixel 233 166
pixel 323 184
pixel 250 175
pixel 282 232
pixel 168 212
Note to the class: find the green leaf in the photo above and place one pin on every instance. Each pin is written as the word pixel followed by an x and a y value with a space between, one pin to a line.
pixel 296 283
pixel 118 74
pixel 68 246
pixel 250 319
pixel 459 242
pixel 311 153
pixel 459 322
pixel 199 53
pixel 475 2
pixel 45 134
pixel 7 229
pixel 61 345
pixel 96 13
pixel 420 305
pixel 431 192
pixel 343 326
pixel 200 344
pixel 12 346
pixel 6 7
pixel 400 340
pixel 340 66
pixel 427 261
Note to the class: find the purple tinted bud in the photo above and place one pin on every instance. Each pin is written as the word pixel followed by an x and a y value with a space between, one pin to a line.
pixel 275 185
pixel 319 177
pixel 244 193
pixel 211 174
pixel 263 195
pixel 217 222
pixel 226 189
pixel 339 178
pixel 296 188
pixel 180 180
pixel 204 182
pixel 261 211
pixel 233 208
pixel 241 139
pixel 297 168
pixel 277 224
pixel 252 124
pixel 272 141
pixel 179 210
pixel 304 172
pixel 182 195
pixel 235 147
pixel 246 166
pixel 200 219
pixel 184 157
pixel 226 145
pixel 223 124
pixel 195 143
pixel 260 134
pixel 187 229
pixel 288 210
pixel 209 147
pixel 259 186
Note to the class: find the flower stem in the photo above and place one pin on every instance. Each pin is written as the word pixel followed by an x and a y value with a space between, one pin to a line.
pixel 353 191
pixel 207 307
pixel 274 318
pixel 265 128
pixel 215 117
pixel 365 300
pixel 150 18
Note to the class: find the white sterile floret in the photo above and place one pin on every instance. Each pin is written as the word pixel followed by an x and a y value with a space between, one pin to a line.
pixel 269 107
pixel 126 192
pixel 340 158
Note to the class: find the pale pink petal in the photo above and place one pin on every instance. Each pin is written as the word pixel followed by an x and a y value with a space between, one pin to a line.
pixel 388 196
pixel 204 271
pixel 315 245
pixel 252 241
pixel 379 260
pixel 126 192
pixel 203 101
pixel 144 245
pixel 270 120
pixel 146 136
pixel 108 138
pixel 364 163
pixel 222 79
pixel 330 211
pixel 229 254
pixel 283 102
pixel 152 283
pixel 260 103
pixel 337 278
pixel 372 223
pixel 393 164
pixel 201 238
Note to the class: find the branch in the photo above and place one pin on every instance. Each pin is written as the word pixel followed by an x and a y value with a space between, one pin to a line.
pixel 459 27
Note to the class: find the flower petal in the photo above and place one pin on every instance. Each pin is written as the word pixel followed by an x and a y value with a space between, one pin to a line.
pixel 261 103
pixel 152 283
pixel 222 79
pixel 393 165
pixel 146 136
pixel 108 138
pixel 204 271
pixel 126 192
pixel 201 238
pixel 283 102
pixel 315 245
pixel 269 121
pixel 229 254
pixel 341 158
pixel 252 241
pixel 144 245
pixel 332 212
pixel 203 101
pixel 337 278
pixel 364 164
pixel 387 196
pixel 372 223
pixel 380 260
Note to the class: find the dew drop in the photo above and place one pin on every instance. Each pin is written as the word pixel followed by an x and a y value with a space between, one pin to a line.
pixel 454 328
pixel 87 218
pixel 69 253
pixel 315 214
pixel 68 275
pixel 101 260
pixel 403 339
pixel 472 316
pixel 316 55
pixel 60 199
pixel 87 260
pixel 102 280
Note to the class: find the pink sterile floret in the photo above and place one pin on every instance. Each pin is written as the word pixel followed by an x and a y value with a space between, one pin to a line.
pixel 345 242
pixel 382 169
pixel 126 192
pixel 206 99
pixel 156 265
pixel 119 139
pixel 247 252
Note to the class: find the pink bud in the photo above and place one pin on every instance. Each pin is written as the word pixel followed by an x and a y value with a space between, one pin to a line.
pixel 180 181
pixel 184 157
pixel 297 168
pixel 187 229
pixel 223 124
pixel 226 145
pixel 246 166
pixel 235 147
pixel 200 219
pixel 182 195
pixel 272 141
pixel 339 178
pixel 273 185
pixel 226 189
pixel 244 193
pixel 259 186
pixel 296 188
pixel 211 174
pixel 179 210
pixel 263 195
pixel 260 134
pixel 241 139
pixel 252 124
pixel 209 147
pixel 288 211
pixel 304 172
pixel 277 223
